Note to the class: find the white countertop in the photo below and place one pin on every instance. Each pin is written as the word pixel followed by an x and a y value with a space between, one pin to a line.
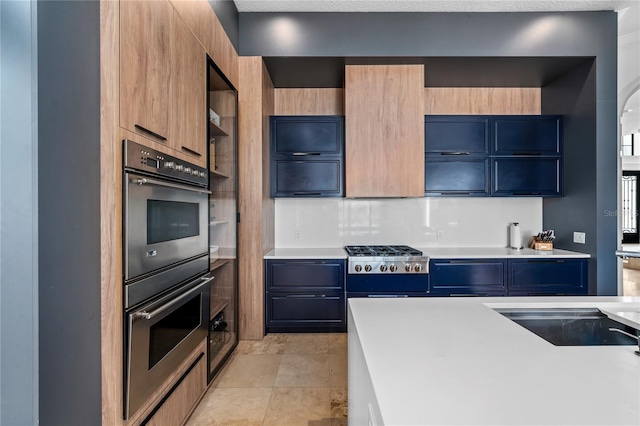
pixel 445 361
pixel 432 252
pixel 306 253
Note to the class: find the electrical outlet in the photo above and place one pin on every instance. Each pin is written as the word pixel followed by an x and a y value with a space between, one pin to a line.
pixel 297 234
pixel 439 235
pixel 579 237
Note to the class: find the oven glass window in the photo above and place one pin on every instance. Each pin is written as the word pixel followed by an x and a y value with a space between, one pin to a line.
pixel 167 333
pixel 171 220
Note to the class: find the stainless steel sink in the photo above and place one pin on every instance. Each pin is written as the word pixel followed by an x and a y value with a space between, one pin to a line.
pixel 572 327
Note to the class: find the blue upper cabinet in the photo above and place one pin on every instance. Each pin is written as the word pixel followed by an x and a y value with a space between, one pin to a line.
pixel 304 136
pixel 527 135
pixel 498 155
pixel 307 156
pixel 456 135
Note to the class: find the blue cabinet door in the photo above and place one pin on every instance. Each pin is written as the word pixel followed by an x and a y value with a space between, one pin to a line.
pixel 307 156
pixel 527 135
pixel 456 134
pixel 548 277
pixel 467 176
pixel 311 178
pixel 526 176
pixel 300 136
pixel 467 277
pixel 305 295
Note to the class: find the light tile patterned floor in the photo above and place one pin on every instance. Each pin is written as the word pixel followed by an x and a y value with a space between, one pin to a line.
pixel 282 380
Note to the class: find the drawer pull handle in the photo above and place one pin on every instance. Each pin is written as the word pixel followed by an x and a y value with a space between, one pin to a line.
pixel 304 154
pixel 527 153
pixel 152 133
pixel 454 153
pixel 307 193
pixel 192 152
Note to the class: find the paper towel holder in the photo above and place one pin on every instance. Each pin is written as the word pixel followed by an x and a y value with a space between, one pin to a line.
pixel 515 236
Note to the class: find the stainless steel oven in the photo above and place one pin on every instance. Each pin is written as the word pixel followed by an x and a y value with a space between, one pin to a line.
pixel 165 221
pixel 165 267
pixel 161 334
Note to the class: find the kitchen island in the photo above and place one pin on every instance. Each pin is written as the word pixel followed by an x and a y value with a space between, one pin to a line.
pixel 445 361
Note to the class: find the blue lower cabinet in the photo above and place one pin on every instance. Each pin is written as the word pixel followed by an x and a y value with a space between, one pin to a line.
pixel 473 277
pixel 456 177
pixel 305 312
pixel 540 277
pixel 305 295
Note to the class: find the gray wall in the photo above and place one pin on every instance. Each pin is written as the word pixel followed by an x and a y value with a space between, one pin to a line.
pixel 18 215
pixel 69 212
pixel 585 34
pixel 228 16
pixel 573 95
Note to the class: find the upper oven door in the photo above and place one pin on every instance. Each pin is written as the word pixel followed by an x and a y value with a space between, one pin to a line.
pixel 165 223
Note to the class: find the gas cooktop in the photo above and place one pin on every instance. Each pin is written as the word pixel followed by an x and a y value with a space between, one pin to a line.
pixel 385 251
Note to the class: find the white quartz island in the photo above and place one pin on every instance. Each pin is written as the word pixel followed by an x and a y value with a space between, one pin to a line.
pixel 446 361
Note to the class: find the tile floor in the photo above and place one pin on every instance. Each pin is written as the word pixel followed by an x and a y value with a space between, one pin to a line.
pixel 282 380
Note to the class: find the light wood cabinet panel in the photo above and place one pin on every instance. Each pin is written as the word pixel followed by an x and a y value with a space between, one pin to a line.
pixel 482 100
pixel 309 101
pixel 145 31
pixel 179 404
pixel 384 130
pixel 187 131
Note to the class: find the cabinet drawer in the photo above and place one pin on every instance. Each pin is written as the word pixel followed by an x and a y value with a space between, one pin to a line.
pixel 460 177
pixel 307 178
pixel 467 276
pixel 307 135
pixel 527 176
pixel 527 135
pixel 306 307
pixel 548 276
pixel 307 275
pixel 463 135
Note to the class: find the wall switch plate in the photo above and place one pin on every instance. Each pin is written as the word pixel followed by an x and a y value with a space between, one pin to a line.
pixel 579 237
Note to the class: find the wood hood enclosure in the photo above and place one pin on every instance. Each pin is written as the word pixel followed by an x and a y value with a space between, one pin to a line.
pixel 384 131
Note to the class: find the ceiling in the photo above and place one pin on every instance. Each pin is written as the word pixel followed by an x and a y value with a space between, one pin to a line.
pixel 429 5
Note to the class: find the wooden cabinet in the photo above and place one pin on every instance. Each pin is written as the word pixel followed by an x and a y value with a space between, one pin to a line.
pixel 305 295
pixel 187 123
pixel 512 277
pixel 177 405
pixel 384 132
pixel 307 157
pixel 162 78
pixel 477 277
pixel 145 33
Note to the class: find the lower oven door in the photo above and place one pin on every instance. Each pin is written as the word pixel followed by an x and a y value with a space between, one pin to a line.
pixel 160 336
pixel 165 223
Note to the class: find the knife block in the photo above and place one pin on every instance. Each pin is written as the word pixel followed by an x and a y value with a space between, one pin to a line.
pixel 539 245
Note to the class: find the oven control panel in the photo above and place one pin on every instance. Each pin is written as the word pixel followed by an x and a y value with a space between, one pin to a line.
pixel 142 158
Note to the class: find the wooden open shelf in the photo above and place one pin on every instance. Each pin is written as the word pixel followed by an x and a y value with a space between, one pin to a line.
pixel 218 174
pixel 218 222
pixel 217 264
pixel 216 130
pixel 217 305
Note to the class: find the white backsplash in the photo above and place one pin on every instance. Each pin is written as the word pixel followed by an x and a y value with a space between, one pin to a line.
pixel 418 222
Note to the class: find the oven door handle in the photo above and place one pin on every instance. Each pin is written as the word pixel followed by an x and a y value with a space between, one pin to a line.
pixel 149 315
pixel 151 181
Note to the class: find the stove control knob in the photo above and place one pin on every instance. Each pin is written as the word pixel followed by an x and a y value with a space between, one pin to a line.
pixel 358 268
pixel 418 267
pixel 407 267
pixel 187 170
pixel 367 268
pixel 179 167
pixel 169 165
pixel 392 268
pixel 383 268
pixel 202 174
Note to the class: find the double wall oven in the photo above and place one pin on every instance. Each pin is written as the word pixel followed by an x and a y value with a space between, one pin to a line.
pixel 166 263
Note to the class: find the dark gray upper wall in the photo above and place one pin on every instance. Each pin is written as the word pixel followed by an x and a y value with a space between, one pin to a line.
pixel 228 16
pixel 69 212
